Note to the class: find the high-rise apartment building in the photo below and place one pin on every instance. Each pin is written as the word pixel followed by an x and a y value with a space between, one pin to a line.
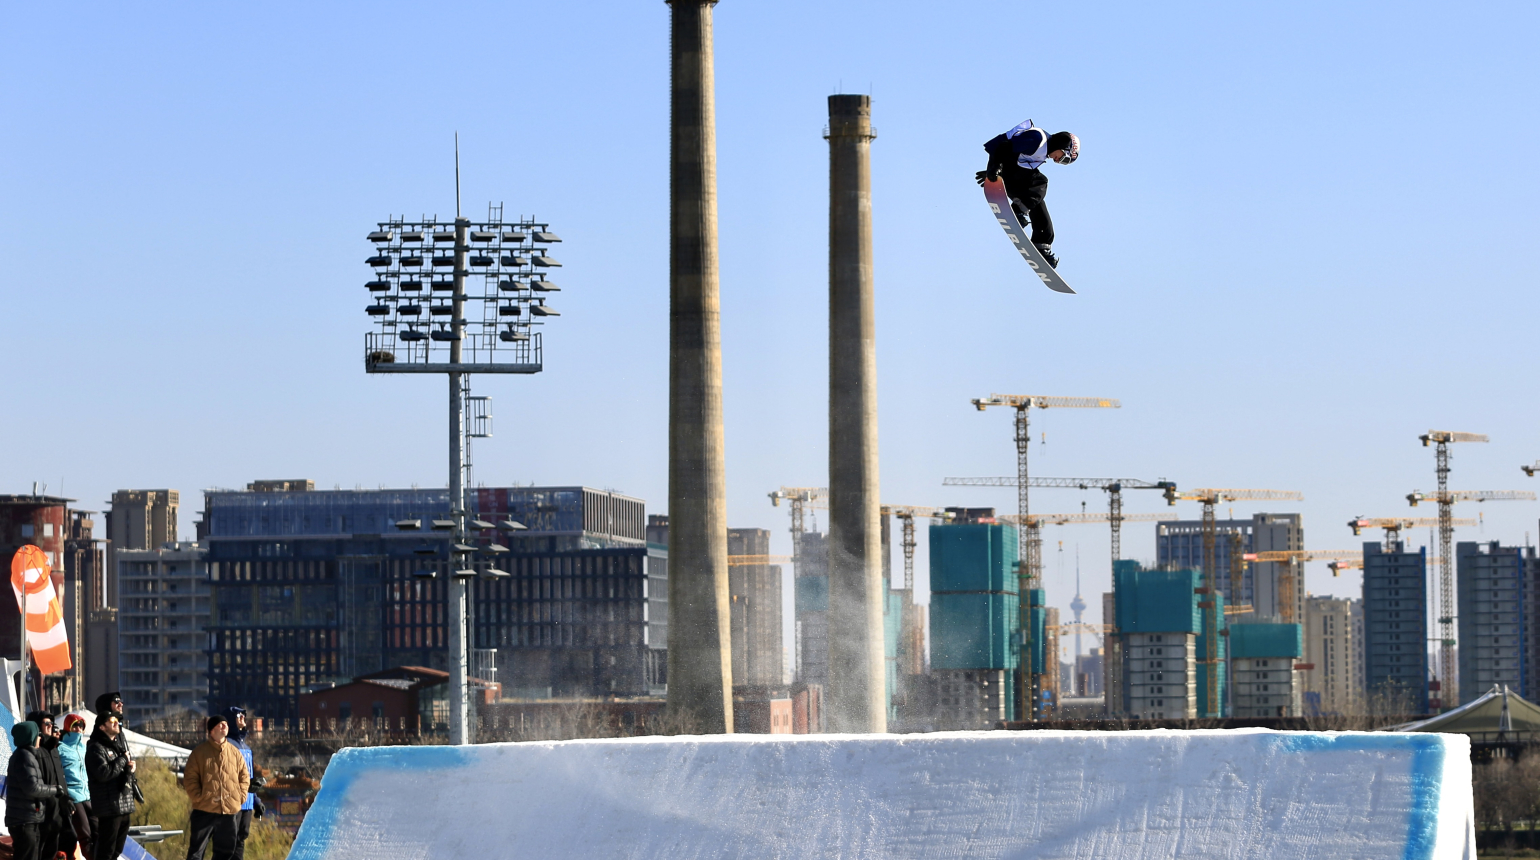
pixel 1531 625
pixel 1395 607
pixel 974 608
pixel 1164 635
pixel 93 643
pixel 162 615
pixel 1179 544
pixel 1489 580
pixel 318 586
pixel 1045 657
pixel 1334 653
pixel 1112 659
pixel 1162 673
pixel 811 607
pixel 141 519
pixel 755 592
pixel 1262 660
pixel 137 520
pixel 1088 674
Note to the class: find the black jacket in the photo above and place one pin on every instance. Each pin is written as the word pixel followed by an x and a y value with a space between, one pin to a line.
pixel 108 775
pixel 104 706
pixel 53 774
pixel 27 795
pixel 1003 152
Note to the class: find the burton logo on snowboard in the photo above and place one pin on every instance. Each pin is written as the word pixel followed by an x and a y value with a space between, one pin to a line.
pixel 994 192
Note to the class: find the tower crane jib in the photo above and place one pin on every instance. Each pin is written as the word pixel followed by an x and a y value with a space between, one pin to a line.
pixel 1029 546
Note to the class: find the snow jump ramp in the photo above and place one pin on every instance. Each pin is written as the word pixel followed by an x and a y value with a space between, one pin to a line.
pixel 1039 794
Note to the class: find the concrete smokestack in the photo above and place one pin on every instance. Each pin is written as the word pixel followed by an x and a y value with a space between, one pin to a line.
pixel 699 663
pixel 857 694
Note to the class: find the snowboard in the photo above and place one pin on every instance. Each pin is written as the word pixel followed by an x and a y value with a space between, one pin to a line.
pixel 1000 204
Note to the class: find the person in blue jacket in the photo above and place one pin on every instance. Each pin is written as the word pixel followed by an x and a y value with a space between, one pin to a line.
pixel 253 807
pixel 72 751
pixel 1015 158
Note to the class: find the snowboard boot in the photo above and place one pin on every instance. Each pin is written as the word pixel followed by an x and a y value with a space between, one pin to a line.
pixel 1047 252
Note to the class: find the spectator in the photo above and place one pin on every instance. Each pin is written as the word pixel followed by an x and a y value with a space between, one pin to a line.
pixel 112 703
pixel 253 806
pixel 54 834
pixel 110 774
pixel 72 751
pixel 26 793
pixel 217 782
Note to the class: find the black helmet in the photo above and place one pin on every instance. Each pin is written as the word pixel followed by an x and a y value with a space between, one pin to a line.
pixel 1067 142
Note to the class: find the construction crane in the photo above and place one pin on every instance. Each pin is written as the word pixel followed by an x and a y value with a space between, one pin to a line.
pixel 1337 567
pixel 1441 440
pixel 1033 525
pixel 1531 470
pixel 743 560
pixel 799 500
pixel 1097 630
pixel 1023 403
pixel 1393 526
pixel 1029 555
pixel 1209 497
pixel 1291 559
pixel 1113 486
pixel 906 515
pixel 1035 522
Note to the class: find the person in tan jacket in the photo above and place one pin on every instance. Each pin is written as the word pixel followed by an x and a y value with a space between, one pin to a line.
pixel 216 781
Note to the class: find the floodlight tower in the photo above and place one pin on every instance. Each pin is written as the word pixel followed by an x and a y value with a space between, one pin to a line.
pixel 507 259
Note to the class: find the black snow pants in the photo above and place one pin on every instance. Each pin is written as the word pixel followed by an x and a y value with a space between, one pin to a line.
pixel 1027 188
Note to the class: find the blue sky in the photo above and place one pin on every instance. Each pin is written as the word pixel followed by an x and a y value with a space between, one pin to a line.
pixel 1302 235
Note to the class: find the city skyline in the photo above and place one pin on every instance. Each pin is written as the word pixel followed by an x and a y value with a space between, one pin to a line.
pixel 1314 315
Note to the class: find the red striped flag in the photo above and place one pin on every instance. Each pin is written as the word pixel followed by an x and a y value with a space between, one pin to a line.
pixel 45 619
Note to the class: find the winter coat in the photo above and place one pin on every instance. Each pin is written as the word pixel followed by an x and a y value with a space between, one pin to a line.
pixel 216 778
pixel 72 752
pixel 53 774
pixel 27 795
pixel 109 777
pixel 104 706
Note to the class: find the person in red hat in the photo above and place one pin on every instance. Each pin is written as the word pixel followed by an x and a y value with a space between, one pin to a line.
pixel 72 751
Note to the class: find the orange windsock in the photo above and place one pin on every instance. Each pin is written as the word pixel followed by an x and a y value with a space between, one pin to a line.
pixel 45 620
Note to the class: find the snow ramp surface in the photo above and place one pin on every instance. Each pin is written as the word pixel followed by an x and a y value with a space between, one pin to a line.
pixel 1038 794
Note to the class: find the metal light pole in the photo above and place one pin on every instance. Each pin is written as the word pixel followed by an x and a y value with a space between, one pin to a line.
pixel 508 259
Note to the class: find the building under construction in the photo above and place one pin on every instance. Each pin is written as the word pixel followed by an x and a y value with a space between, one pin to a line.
pixel 1165 635
pixel 1179 544
pixel 974 610
pixel 755 594
pixel 1263 669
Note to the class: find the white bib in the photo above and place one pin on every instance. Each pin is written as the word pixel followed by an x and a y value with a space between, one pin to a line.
pixel 1035 159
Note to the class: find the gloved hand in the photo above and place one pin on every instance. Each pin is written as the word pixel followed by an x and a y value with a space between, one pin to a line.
pixel 258 809
pixel 985 176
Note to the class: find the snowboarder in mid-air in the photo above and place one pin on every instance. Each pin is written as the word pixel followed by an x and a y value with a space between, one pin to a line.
pixel 1015 157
